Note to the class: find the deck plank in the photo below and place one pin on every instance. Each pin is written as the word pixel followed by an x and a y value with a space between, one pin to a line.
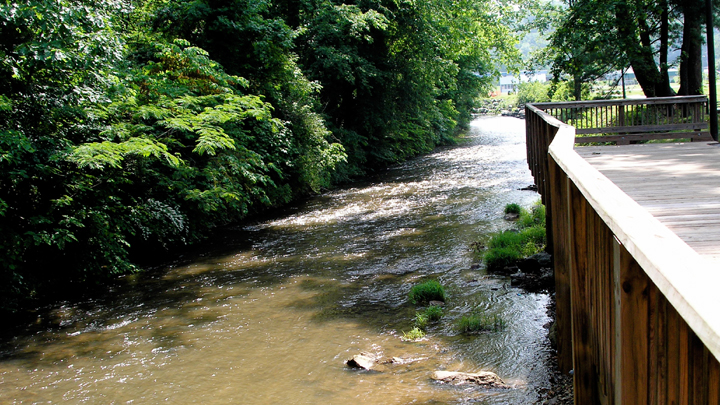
pixel 678 183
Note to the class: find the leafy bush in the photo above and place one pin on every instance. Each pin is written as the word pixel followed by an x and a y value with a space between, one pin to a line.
pixel 533 92
pixel 428 291
pixel 481 323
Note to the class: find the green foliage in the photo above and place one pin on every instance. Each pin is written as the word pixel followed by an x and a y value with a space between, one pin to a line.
pixel 421 321
pixel 475 323
pixel 133 130
pixel 427 291
pixel 432 313
pixel 499 257
pixel 533 217
pixel 513 208
pixel 414 334
pixel 533 92
pixel 506 247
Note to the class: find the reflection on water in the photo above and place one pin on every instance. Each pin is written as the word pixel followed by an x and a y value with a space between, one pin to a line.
pixel 270 312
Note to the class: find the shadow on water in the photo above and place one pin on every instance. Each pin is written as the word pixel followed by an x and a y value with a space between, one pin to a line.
pixel 295 295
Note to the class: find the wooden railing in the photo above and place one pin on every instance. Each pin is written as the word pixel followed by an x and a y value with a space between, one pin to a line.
pixel 637 318
pixel 625 121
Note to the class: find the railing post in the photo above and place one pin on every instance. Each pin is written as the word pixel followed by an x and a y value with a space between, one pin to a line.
pixel 632 329
pixel 558 222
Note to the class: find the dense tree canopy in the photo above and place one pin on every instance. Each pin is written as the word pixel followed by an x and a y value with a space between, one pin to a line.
pixel 132 126
pixel 593 38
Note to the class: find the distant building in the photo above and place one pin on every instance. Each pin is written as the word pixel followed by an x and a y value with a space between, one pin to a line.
pixel 509 83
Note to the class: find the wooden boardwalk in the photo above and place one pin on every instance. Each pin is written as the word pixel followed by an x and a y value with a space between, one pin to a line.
pixel 679 184
pixel 635 235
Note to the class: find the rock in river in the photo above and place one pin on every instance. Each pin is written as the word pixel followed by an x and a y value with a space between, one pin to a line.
pixel 364 361
pixel 484 379
pixel 368 361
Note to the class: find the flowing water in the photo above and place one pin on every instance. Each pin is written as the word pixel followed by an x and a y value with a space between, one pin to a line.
pixel 268 313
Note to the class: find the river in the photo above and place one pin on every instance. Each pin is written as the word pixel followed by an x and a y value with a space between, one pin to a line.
pixel 267 313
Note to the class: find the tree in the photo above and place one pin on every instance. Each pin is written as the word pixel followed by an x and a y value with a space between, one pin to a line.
pixel 138 129
pixel 596 37
pixel 582 46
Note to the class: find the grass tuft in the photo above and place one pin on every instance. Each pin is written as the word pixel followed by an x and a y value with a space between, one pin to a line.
pixel 428 291
pixel 509 246
pixel 499 258
pixel 481 323
pixel 513 209
pixel 433 313
pixel 421 321
pixel 414 334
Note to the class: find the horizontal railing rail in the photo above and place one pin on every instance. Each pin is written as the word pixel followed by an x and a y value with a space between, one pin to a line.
pixel 637 315
pixel 629 120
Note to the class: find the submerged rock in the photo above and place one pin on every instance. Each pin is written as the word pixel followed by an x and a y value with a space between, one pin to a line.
pixel 484 379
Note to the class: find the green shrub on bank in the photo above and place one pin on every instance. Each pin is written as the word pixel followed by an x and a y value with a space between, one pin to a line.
pixel 427 291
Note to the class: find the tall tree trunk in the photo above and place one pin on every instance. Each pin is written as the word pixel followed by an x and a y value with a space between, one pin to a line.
pixel 691 58
pixel 634 35
pixel 577 87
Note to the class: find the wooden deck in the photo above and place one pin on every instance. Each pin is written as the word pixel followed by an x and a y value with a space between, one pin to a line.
pixel 679 184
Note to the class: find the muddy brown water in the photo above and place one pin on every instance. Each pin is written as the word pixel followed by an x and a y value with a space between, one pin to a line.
pixel 269 312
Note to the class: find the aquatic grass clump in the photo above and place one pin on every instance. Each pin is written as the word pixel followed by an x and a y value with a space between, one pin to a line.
pixel 414 334
pixel 505 239
pixel 534 234
pixel 427 291
pixel 481 323
pixel 529 238
pixel 499 258
pixel 421 321
pixel 432 313
pixel 513 208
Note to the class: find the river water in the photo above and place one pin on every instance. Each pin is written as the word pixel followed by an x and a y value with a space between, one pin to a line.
pixel 268 313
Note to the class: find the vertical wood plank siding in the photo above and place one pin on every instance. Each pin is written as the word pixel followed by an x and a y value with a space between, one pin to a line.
pixel 624 339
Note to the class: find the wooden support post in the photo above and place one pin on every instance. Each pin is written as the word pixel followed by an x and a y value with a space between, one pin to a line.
pixel 632 323
pixel 559 225
pixel 585 377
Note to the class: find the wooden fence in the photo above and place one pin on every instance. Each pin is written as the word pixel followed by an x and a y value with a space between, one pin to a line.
pixel 634 315
pixel 629 120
